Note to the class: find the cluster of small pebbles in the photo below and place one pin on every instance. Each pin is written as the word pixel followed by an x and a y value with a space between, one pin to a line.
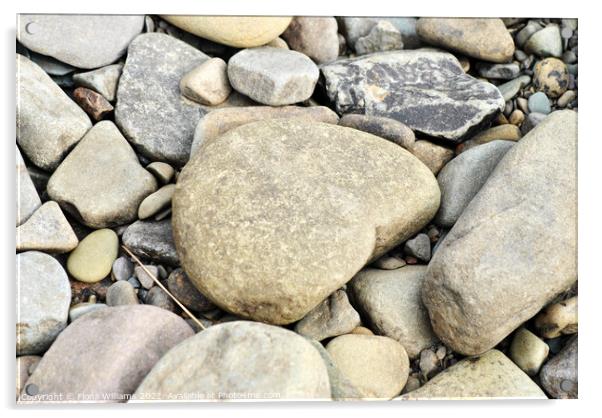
pixel 296 207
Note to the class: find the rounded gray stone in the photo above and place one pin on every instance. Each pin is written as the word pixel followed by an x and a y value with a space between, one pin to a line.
pixel 84 40
pixel 546 42
pixel 273 76
pixel 229 361
pixel 559 376
pixel 539 103
pixel 121 293
pixel 43 301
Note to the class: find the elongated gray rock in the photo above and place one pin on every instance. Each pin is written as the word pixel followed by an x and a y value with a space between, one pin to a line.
pixel 513 249
pixel 49 123
pixel 412 86
pixel 152 240
pixel 43 301
pixel 126 340
pixel 47 230
pixel 232 360
pixel 273 216
pixel 462 178
pixel 150 110
pixel 28 199
pixel 101 182
pixel 491 375
pixel 559 376
pixel 390 300
pixel 84 41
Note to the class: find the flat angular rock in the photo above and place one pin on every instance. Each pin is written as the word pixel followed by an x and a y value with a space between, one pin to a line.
pixel 94 104
pixel 101 182
pixel 28 200
pixel 127 340
pixel 333 317
pixel 273 76
pixel 316 37
pixel 152 240
pixel 208 83
pixel 559 376
pixel 279 184
pixel 486 39
pixel 513 249
pixel 232 359
pixel 84 41
pixel 409 86
pixel 384 36
pixel 491 375
pixel 150 109
pixel 356 27
pixel 377 366
pixel 390 300
pixel 462 178
pixel 49 123
pixel 236 31
pixel 386 128
pixel 46 230
pixel 221 121
pixel 103 80
pixel 418 247
pixel 43 301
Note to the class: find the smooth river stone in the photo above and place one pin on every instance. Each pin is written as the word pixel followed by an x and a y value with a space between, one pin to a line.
pixel 49 123
pixel 236 31
pixel 101 182
pixel 390 301
pixel 152 240
pixel 491 375
pixel 93 258
pixel 486 39
pixel 236 360
pixel 274 216
pixel 46 230
pixel 28 200
pixel 84 41
pixel 126 340
pixel 412 86
pixel 514 247
pixel 43 299
pixel 150 110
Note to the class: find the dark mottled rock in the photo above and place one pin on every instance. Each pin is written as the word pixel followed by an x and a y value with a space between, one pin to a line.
pixel 498 71
pixel 126 340
pixel 411 87
pixel 559 376
pixel 182 288
pixel 150 110
pixel 152 240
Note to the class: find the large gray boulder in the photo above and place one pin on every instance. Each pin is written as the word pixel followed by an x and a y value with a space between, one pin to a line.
pixel 390 300
pixel 105 354
pixel 43 301
pixel 150 110
pixel 273 216
pixel 49 123
pixel 84 40
pixel 101 182
pixel 514 247
pixel 462 178
pixel 239 360
pixel 425 89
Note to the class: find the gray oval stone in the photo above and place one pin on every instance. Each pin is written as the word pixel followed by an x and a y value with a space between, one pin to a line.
pixel 232 360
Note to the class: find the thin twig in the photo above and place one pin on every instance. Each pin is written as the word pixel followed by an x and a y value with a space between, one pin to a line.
pixel 152 276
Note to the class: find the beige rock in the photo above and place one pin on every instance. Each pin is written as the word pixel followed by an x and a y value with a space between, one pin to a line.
pixel 377 366
pixel 316 37
pixel 47 230
pixel 220 121
pixel 485 39
pixel 237 31
pixel 240 359
pixel 558 319
pixel 28 199
pixel 390 300
pixel 551 76
pixel 101 182
pixel 516 117
pixel 361 331
pixel 163 172
pixel 157 201
pixel 25 367
pixel 272 217
pixel 491 375
pixel 93 258
pixel 513 249
pixel 506 132
pixel 208 83
pixel 432 155
pixel 278 43
pixel 528 352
